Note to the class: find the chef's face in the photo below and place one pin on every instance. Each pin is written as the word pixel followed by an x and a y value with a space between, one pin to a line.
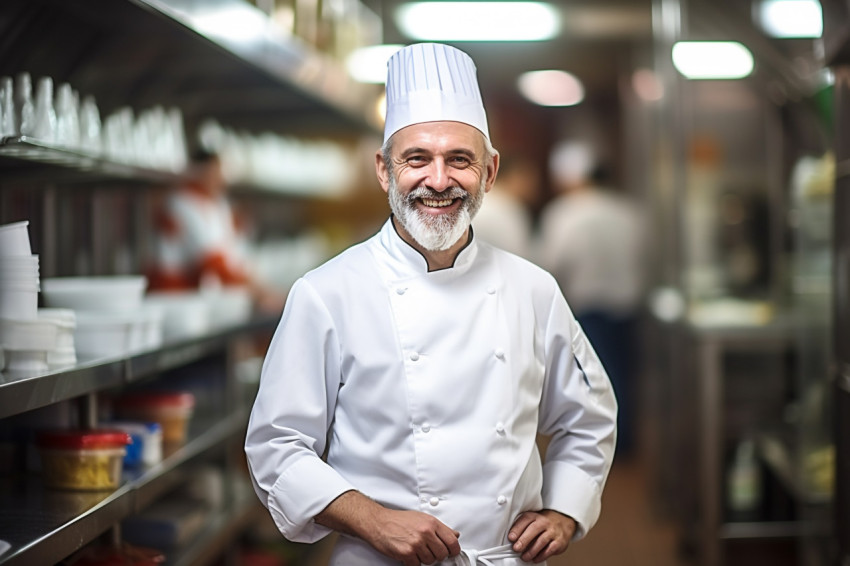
pixel 437 176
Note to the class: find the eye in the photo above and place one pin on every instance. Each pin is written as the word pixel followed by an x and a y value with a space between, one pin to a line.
pixel 459 161
pixel 415 160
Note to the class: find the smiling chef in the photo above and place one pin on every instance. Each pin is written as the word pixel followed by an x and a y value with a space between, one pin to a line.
pixel 405 386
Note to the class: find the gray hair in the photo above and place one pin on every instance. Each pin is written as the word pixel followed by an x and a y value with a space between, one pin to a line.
pixel 387 149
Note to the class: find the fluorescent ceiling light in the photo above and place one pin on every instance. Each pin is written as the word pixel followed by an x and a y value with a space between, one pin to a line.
pixel 647 85
pixel 791 18
pixel 712 59
pixel 478 21
pixel 237 23
pixel 551 88
pixel 369 64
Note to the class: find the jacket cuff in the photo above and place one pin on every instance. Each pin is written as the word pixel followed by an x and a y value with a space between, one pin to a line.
pixel 303 491
pixel 575 494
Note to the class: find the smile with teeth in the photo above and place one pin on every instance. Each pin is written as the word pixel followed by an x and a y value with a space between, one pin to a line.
pixel 434 203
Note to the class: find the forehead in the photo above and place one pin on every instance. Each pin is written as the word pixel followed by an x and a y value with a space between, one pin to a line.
pixel 439 137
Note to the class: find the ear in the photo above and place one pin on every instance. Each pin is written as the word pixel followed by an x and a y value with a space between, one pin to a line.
pixel 491 171
pixel 381 171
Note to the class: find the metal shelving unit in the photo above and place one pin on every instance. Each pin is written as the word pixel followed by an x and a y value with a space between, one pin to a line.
pixel 44 526
pixel 221 529
pixel 141 54
pixel 22 394
pixel 27 159
pixel 206 58
pixel 703 403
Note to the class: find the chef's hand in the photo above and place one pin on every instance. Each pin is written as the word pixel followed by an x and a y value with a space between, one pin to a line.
pixel 411 537
pixel 414 538
pixel 539 535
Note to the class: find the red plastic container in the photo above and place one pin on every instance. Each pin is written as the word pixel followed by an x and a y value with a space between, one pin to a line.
pixel 87 460
pixel 171 410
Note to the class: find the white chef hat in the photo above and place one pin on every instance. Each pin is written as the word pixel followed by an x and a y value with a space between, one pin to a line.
pixel 430 82
pixel 571 161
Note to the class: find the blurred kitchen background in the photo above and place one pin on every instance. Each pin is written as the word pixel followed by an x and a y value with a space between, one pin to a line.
pixel 724 120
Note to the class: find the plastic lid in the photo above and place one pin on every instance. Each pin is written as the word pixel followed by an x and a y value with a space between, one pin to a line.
pixel 162 399
pixel 84 439
pixel 132 426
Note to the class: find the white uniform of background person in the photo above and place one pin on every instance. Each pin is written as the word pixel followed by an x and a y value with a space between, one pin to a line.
pixel 594 241
pixel 505 217
pixel 426 389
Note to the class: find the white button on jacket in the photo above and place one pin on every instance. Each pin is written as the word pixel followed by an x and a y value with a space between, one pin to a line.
pixel 360 365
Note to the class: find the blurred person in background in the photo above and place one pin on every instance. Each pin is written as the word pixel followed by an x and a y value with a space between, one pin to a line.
pixel 593 239
pixel 200 241
pixel 505 216
pixel 402 394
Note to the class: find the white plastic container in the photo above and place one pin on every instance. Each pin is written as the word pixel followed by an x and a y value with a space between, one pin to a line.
pixel 64 354
pixel 27 343
pixel 115 294
pixel 15 239
pixel 65 321
pixel 103 334
pixel 184 314
pixel 19 303
pixel 17 265
pixel 228 306
pixel 26 361
pixel 61 358
pixel 146 449
pixel 28 334
pixel 27 283
pixel 152 327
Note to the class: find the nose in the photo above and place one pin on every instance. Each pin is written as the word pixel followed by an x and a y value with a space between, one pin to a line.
pixel 438 176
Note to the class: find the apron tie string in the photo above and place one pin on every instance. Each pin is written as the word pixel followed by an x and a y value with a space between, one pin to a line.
pixel 475 557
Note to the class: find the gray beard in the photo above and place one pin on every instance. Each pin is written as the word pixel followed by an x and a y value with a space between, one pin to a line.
pixel 434 233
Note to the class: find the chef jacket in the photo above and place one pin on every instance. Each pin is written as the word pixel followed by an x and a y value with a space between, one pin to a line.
pixel 595 243
pixel 197 235
pixel 426 391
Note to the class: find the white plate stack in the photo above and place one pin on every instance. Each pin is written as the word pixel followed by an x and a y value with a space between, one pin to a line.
pixel 110 316
pixel 24 338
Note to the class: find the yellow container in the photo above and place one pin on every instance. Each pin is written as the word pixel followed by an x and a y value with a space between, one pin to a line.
pixel 85 460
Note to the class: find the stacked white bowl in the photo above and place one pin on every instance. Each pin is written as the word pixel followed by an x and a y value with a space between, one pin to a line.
pixel 24 338
pixel 64 354
pixel 110 316
pixel 18 273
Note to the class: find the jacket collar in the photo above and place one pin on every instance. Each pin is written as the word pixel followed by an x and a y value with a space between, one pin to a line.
pixel 407 260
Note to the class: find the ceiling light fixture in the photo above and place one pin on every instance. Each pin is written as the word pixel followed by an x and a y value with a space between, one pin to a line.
pixel 791 18
pixel 241 24
pixel 369 64
pixel 478 21
pixel 712 59
pixel 647 85
pixel 551 88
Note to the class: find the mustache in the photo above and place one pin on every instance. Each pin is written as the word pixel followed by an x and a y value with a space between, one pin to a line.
pixel 425 192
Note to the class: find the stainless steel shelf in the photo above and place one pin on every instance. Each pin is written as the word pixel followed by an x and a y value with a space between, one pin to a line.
pixel 222 528
pixel 30 159
pixel 285 58
pixel 222 59
pixel 779 457
pixel 44 526
pixel 770 529
pixel 19 394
